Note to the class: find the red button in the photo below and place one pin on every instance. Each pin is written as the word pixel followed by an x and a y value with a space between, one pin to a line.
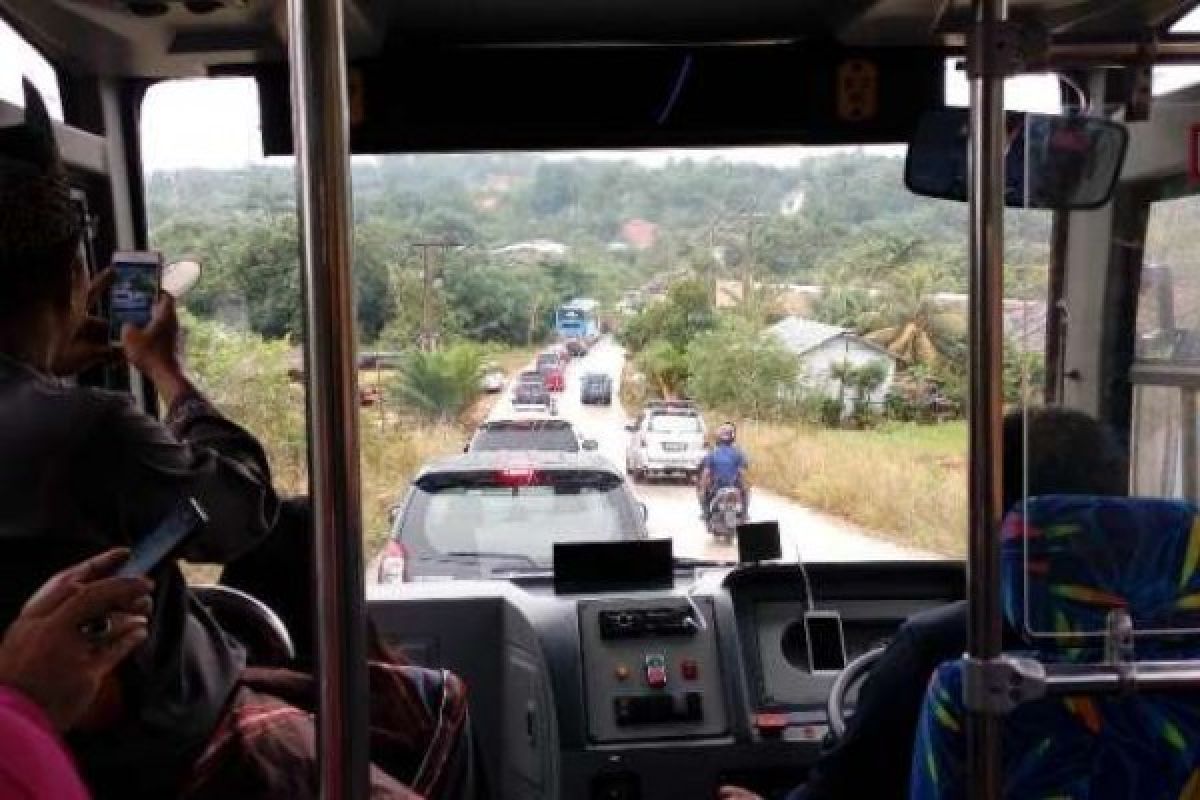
pixel 690 670
pixel 656 677
pixel 770 724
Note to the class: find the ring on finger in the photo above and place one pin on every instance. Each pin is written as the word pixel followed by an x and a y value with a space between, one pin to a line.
pixel 97 630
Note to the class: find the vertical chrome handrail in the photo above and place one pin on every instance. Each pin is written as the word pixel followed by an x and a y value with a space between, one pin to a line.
pixel 986 210
pixel 321 133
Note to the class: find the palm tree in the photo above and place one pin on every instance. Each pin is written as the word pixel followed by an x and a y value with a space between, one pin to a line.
pixel 910 324
pixel 439 385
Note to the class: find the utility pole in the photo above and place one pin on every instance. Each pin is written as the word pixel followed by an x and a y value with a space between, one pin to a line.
pixel 427 339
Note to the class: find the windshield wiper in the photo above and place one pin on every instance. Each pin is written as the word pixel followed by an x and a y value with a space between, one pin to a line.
pixel 478 554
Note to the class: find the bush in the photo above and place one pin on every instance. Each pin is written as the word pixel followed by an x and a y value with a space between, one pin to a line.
pixel 738 369
pixel 246 377
pixel 441 385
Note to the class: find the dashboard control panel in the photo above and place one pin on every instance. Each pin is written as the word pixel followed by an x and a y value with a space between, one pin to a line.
pixel 651 669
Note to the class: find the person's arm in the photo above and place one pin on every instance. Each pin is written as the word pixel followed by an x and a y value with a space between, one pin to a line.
pixel 883 728
pixel 195 452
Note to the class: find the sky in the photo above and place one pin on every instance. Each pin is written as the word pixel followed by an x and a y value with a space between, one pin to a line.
pixel 178 128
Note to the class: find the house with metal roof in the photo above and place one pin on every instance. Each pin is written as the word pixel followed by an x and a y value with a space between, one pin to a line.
pixel 822 348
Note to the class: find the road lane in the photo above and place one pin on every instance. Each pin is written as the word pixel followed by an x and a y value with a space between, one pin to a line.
pixel 673 510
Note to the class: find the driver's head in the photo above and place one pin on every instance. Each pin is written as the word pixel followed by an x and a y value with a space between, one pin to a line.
pixel 726 433
pixel 40 269
pixel 1060 451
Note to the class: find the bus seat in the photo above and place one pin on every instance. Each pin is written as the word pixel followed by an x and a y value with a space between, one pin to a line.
pixel 1070 565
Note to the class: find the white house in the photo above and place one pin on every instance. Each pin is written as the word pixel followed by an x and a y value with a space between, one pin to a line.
pixel 821 348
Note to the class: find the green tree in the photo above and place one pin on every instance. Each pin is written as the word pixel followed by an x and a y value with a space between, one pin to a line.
pixel 665 365
pixel 738 369
pixel 686 312
pixel 440 385
pixel 909 323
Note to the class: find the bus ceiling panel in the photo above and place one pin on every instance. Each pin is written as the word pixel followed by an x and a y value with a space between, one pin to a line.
pixel 1160 146
pixel 107 37
pixel 165 38
pixel 610 97
pixel 80 150
pixel 1087 19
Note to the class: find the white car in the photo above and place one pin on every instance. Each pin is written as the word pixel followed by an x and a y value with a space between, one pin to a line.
pixel 665 439
pixel 493 380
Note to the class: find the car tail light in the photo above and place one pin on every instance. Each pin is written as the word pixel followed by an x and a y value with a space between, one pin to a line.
pixel 517 476
pixel 393 564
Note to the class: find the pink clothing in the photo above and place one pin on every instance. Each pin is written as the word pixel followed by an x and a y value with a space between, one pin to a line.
pixel 34 763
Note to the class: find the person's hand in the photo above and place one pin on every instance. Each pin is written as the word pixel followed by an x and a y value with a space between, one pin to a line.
pixel 72 634
pixel 154 349
pixel 736 793
pixel 89 344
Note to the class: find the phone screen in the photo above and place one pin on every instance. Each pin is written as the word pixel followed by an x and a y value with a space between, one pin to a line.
pixel 164 540
pixel 826 645
pixel 134 290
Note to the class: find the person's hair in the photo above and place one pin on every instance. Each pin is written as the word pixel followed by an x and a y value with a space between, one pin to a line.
pixel 1060 451
pixel 40 227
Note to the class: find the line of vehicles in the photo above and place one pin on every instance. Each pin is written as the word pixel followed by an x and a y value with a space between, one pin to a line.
pixel 527 480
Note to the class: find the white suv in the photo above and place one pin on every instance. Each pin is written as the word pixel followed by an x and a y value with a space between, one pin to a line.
pixel 666 439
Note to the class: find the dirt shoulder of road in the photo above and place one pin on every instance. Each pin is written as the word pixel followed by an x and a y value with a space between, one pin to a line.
pixel 904 481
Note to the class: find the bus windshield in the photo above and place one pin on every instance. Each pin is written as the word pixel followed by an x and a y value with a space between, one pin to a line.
pixel 802 293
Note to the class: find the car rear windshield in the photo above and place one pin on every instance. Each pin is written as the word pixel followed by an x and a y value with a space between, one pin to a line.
pixel 530 393
pixel 674 423
pixel 595 380
pixel 458 516
pixel 555 436
pixel 547 359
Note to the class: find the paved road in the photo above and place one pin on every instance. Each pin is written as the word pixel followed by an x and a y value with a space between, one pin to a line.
pixel 673 512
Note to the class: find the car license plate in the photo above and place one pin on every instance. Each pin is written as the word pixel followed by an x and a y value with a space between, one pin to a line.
pixel 674 447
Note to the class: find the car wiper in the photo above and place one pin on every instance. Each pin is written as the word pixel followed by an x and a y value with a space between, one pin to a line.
pixel 478 554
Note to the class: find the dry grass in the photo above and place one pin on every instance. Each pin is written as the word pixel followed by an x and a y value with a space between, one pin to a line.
pixel 905 481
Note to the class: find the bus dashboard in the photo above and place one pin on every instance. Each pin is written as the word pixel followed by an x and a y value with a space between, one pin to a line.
pixel 662 693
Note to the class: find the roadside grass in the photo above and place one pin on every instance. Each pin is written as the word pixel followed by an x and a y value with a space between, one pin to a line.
pixel 247 379
pixel 906 482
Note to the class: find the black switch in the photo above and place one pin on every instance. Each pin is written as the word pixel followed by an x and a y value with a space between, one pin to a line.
pixel 694 703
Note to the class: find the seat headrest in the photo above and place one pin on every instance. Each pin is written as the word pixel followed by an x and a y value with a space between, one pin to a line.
pixel 1067 561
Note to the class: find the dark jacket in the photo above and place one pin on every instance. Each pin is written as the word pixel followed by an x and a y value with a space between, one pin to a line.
pixel 874 758
pixel 82 470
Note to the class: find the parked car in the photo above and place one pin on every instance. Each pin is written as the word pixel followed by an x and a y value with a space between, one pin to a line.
pixel 530 396
pixel 576 347
pixel 492 380
pixel 491 514
pixel 665 439
pixel 529 433
pixel 595 388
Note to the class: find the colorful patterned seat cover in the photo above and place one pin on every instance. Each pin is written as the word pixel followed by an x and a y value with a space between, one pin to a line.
pixel 1086 556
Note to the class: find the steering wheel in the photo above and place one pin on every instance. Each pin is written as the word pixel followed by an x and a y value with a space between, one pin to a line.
pixel 847 679
pixel 251 622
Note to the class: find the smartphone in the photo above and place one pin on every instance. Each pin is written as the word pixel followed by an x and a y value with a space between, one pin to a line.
pixel 137 278
pixel 184 521
pixel 826 641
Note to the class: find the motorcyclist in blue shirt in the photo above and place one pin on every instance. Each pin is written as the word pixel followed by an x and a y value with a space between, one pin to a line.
pixel 725 465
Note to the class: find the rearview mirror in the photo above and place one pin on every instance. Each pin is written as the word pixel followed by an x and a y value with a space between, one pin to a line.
pixel 1065 163
pixel 590 444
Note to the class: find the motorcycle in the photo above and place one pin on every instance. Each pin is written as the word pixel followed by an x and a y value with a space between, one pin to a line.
pixel 725 512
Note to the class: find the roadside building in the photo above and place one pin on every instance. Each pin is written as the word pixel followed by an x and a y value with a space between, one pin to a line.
pixel 821 349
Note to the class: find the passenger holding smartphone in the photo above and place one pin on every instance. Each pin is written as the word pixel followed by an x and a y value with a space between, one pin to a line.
pixel 83 470
pixel 53 664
